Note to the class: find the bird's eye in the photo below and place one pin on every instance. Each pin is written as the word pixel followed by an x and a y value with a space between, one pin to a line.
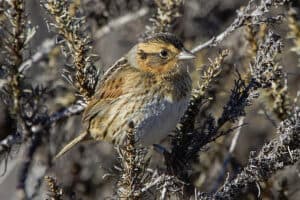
pixel 163 53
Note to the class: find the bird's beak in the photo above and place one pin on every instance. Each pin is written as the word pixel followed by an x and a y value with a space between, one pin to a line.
pixel 186 55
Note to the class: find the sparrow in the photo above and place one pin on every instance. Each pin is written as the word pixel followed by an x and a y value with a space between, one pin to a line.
pixel 149 86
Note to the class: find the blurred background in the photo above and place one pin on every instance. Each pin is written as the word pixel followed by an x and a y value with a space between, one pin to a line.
pixel 87 171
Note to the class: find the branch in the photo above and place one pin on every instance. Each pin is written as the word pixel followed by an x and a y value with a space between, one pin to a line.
pixel 17 138
pixel 132 157
pixel 251 14
pixel 54 190
pixel 42 50
pixel 77 45
pixel 242 95
pixel 275 155
pixel 167 12
pixel 120 21
pixel 27 163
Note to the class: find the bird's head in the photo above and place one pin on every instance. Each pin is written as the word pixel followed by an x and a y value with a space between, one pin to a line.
pixel 160 53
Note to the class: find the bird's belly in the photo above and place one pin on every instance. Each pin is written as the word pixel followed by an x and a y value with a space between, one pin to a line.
pixel 159 119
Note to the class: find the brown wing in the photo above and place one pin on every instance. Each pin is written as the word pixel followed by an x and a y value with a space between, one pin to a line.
pixel 110 87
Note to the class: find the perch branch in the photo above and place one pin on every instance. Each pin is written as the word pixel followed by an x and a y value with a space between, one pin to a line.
pixel 245 16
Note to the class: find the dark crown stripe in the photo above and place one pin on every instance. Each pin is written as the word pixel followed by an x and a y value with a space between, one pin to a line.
pixel 165 37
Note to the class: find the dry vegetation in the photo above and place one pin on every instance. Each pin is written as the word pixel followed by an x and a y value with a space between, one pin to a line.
pixel 239 138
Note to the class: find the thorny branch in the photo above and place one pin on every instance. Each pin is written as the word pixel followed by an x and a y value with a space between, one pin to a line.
pixel 54 191
pixel 186 126
pixel 275 155
pixel 242 95
pixel 133 166
pixel 137 179
pixel 72 29
pixel 17 138
pixel 251 14
pixel 14 38
pixel 165 16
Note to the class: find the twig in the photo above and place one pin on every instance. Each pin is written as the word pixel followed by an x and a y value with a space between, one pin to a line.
pixel 242 95
pixel 120 21
pixel 245 16
pixel 273 156
pixel 236 135
pixel 27 162
pixel 166 185
pixel 153 183
pixel 129 185
pixel 74 109
pixel 165 16
pixel 37 131
pixel 77 45
pixel 42 50
pixel 228 157
pixel 54 191
pixel 17 138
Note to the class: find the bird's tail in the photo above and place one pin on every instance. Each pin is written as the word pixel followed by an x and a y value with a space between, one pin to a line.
pixel 82 136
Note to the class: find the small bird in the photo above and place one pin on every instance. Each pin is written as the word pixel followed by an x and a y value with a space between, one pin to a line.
pixel 150 86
